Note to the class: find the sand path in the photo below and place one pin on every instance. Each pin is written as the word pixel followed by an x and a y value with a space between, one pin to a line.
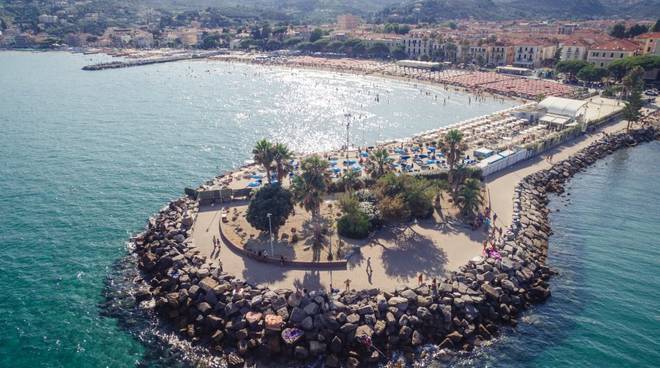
pixel 501 185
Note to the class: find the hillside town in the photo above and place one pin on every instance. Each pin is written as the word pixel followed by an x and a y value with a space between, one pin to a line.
pixel 524 44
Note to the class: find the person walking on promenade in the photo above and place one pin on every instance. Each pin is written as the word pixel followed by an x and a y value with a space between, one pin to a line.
pixel 348 284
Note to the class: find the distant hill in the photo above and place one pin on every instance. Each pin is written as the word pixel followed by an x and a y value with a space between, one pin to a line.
pixel 440 10
pixel 305 10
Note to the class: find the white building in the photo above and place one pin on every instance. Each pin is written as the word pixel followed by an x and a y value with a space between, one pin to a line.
pixel 531 53
pixel 418 44
pixel 391 41
pixel 559 112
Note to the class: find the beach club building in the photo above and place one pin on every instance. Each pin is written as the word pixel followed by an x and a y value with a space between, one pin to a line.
pixel 559 112
pixel 414 64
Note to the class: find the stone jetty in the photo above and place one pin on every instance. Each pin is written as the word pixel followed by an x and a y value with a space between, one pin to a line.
pixel 141 62
pixel 357 328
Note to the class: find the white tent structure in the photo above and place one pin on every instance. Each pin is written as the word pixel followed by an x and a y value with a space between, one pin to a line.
pixel 418 64
pixel 560 111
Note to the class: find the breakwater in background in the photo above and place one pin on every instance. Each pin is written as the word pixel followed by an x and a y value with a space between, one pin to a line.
pixel 150 61
pixel 216 310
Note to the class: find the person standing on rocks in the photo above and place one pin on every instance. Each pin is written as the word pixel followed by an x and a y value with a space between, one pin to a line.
pixel 420 279
pixel 348 284
pixel 370 270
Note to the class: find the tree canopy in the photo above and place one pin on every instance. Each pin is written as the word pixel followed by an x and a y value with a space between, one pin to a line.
pixel 618 30
pixel 316 35
pixel 571 67
pixel 271 199
pixel 620 68
pixel 591 73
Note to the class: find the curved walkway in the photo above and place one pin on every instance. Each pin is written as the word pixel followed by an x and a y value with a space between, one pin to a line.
pixel 396 258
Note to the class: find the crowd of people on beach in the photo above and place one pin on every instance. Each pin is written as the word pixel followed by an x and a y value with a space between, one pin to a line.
pixel 474 81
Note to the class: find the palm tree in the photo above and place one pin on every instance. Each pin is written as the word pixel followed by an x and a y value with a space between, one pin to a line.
pixel 440 186
pixel 309 188
pixel 282 155
pixel 351 180
pixel 452 147
pixel 263 155
pixel 632 81
pixel 470 198
pixel 377 162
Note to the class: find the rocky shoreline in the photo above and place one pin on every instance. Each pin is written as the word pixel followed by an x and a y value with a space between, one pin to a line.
pixel 362 327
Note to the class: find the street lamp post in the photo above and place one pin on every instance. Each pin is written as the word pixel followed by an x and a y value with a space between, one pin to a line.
pixel 348 127
pixel 270 232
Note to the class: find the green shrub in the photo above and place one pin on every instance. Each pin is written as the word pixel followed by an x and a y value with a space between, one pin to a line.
pixel 402 198
pixel 354 226
pixel 394 208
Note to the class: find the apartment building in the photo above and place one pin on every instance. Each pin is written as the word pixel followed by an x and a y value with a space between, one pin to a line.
pixel 574 49
pixel 604 54
pixel 532 53
pixel 650 43
pixel 418 44
pixel 390 40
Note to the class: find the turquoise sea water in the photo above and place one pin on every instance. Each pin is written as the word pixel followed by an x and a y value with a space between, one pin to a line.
pixel 605 304
pixel 87 157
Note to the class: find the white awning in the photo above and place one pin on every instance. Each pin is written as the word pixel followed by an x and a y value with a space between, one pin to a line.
pixel 554 119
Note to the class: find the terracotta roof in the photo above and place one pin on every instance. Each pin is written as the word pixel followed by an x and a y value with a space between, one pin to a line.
pixel 532 42
pixel 654 35
pixel 617 45
pixel 576 42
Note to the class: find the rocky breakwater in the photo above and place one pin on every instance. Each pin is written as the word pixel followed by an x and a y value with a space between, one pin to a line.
pixel 356 328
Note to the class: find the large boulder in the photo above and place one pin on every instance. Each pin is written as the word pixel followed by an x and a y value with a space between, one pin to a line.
pixel 364 330
pixel 297 315
pixel 208 284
